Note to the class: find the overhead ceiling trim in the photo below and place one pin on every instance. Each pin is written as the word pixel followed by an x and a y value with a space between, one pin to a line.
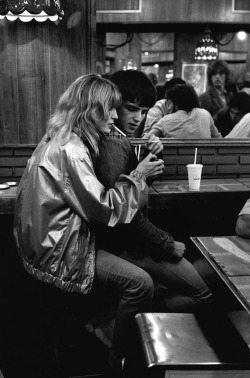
pixel 118 6
pixel 241 6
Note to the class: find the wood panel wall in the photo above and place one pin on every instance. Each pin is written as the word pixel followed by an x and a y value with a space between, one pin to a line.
pixel 173 11
pixel 185 21
pixel 37 63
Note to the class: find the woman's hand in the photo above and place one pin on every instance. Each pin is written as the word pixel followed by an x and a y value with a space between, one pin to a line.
pixel 153 143
pixel 150 166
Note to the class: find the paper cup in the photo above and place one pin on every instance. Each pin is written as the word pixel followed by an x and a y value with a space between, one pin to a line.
pixel 194 176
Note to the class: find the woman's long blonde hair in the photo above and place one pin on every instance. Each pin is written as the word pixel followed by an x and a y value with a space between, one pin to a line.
pixel 85 104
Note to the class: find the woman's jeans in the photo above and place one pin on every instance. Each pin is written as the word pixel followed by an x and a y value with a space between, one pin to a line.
pixel 135 292
pixel 178 285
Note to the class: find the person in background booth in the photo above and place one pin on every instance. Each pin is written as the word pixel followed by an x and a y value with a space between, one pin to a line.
pixel 241 129
pixel 216 97
pixel 187 120
pixel 244 86
pixel 161 107
pixel 226 118
pixel 60 202
pixel 141 242
pixel 242 227
pixel 153 78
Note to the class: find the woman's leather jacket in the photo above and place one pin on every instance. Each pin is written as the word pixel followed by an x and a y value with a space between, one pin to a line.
pixel 59 202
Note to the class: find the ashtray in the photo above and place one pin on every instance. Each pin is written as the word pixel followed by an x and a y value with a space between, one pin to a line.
pixel 11 183
pixel 4 186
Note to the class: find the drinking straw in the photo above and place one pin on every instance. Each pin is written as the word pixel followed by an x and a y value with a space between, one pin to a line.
pixel 139 151
pixel 195 155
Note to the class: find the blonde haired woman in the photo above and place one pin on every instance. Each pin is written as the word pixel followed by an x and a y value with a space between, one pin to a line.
pixel 59 201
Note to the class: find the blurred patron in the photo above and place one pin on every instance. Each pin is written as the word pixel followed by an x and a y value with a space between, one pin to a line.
pixel 161 107
pixel 216 97
pixel 242 227
pixel 244 86
pixel 241 129
pixel 187 120
pixel 225 119
pixel 153 78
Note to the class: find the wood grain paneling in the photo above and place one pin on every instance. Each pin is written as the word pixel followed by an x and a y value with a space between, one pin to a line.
pixel 37 63
pixel 174 11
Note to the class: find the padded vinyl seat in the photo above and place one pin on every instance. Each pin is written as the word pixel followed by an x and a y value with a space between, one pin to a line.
pixel 188 345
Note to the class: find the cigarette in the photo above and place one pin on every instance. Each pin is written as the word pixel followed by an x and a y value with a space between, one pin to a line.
pixel 119 131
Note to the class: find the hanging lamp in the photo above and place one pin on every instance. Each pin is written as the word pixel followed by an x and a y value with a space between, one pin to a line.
pixel 27 10
pixel 206 48
pixel 129 64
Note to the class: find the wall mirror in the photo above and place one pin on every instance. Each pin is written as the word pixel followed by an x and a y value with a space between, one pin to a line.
pixel 162 39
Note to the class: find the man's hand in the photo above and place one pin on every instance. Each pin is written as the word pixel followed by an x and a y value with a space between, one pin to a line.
pixel 153 143
pixel 179 250
pixel 242 227
pixel 150 166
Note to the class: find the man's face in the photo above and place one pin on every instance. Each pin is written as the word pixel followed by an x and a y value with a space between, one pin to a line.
pixel 170 107
pixel 235 115
pixel 218 79
pixel 130 116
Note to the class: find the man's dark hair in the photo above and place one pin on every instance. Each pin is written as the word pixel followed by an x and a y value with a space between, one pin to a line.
pixel 241 101
pixel 244 84
pixel 135 87
pixel 172 83
pixel 161 89
pixel 184 97
pixel 218 66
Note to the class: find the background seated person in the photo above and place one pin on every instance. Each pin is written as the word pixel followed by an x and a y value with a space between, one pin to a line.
pixel 242 227
pixel 161 107
pixel 241 129
pixel 225 119
pixel 187 120
pixel 216 97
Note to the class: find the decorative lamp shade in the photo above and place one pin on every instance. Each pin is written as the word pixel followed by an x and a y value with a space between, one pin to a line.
pixel 206 48
pixel 129 64
pixel 26 10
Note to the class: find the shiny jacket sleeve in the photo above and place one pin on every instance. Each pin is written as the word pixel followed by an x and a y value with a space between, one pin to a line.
pixel 88 197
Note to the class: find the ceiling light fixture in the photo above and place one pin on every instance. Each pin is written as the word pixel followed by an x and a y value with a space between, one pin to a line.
pixel 207 48
pixel 242 35
pixel 27 10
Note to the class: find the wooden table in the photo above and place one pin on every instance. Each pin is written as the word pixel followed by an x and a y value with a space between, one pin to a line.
pixel 7 200
pixel 212 210
pixel 161 192
pixel 230 258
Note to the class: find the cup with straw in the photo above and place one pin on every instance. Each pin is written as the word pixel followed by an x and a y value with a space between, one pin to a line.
pixel 194 173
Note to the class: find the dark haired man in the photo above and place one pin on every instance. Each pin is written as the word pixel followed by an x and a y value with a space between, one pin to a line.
pixel 141 242
pixel 161 107
pixel 178 286
pixel 187 120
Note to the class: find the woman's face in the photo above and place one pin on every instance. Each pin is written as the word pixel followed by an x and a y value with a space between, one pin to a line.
pixel 106 127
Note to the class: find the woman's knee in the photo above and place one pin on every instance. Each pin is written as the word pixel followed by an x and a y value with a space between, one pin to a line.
pixel 146 285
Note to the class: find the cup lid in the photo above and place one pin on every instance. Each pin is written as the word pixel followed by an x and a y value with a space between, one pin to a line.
pixel 194 165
